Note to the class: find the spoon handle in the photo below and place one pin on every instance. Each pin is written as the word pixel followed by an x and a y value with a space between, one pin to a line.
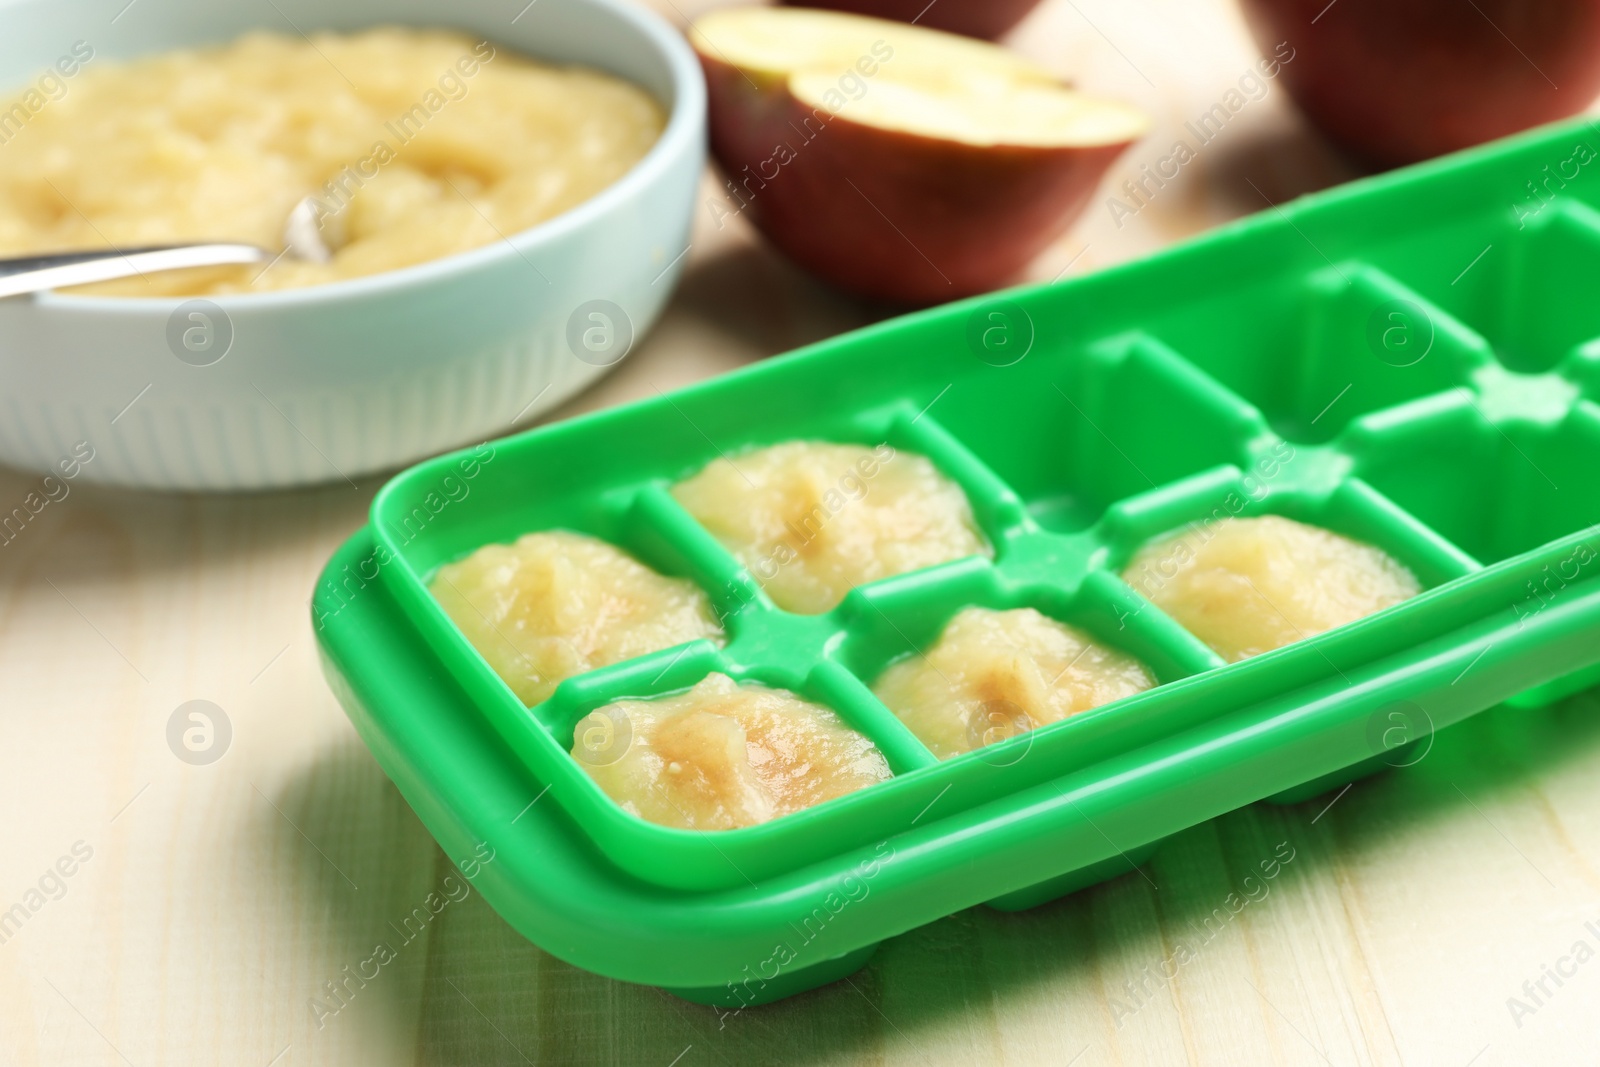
pixel 32 274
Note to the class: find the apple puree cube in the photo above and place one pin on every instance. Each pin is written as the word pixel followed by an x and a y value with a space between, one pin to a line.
pixel 812 520
pixel 1247 586
pixel 723 755
pixel 556 604
pixel 993 674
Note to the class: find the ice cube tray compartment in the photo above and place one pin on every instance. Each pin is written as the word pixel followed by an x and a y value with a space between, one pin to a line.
pixel 1494 489
pixel 1529 294
pixel 1400 361
pixel 1055 452
pixel 1345 340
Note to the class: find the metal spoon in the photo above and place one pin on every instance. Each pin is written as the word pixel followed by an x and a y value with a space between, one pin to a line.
pixel 302 240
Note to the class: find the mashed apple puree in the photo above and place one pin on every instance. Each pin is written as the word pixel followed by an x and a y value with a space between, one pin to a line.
pixel 723 755
pixel 812 520
pixel 556 604
pixel 417 144
pixel 993 674
pixel 1247 586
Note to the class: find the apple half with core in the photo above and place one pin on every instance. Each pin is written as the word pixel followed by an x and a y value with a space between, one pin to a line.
pixel 895 162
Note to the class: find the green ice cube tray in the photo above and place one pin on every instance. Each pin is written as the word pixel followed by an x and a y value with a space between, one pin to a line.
pixel 1412 360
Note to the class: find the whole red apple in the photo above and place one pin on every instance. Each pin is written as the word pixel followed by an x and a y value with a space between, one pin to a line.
pixel 987 19
pixel 896 162
pixel 1396 81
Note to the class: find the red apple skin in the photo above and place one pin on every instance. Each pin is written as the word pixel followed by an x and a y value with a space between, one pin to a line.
pixel 985 19
pixel 888 215
pixel 1397 81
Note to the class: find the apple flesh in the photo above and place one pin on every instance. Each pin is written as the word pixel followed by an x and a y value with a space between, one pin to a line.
pixel 987 19
pixel 1396 81
pixel 898 163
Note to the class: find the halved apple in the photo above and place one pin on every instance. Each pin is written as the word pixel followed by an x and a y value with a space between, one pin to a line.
pixel 1397 81
pixel 897 162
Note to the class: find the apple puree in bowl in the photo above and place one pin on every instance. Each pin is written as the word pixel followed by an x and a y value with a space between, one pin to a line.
pixel 812 520
pixel 993 674
pixel 1248 586
pixel 557 603
pixel 723 755
pixel 416 144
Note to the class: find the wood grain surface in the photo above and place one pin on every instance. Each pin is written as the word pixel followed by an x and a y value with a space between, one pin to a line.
pixel 206 906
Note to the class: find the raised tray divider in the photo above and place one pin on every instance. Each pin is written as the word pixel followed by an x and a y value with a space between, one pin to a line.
pixel 996 506
pixel 846 694
pixel 1372 517
pixel 735 594
pixel 1308 486
pixel 896 617
pixel 654 674
pixel 904 617
pixel 1342 504
pixel 1210 495
pixel 1122 618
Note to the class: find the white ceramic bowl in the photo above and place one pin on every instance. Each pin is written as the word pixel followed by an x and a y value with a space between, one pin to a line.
pixel 330 382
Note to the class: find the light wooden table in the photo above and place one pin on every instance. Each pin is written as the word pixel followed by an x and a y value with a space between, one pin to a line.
pixel 216 900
